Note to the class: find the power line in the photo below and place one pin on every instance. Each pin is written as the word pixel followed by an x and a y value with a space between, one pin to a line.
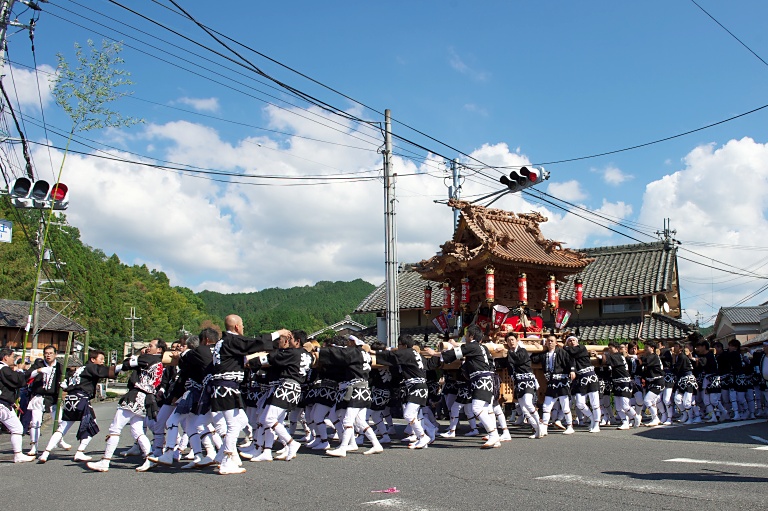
pixel 729 32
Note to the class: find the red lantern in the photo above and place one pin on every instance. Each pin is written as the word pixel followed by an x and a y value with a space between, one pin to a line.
pixel 578 288
pixel 428 300
pixel 446 296
pixel 464 293
pixel 557 296
pixel 551 292
pixel 522 290
pixel 490 284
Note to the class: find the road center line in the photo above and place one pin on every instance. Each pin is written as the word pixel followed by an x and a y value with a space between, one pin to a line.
pixel 726 463
pixel 759 439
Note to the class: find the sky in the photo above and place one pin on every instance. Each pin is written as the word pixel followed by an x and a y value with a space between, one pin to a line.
pixel 563 85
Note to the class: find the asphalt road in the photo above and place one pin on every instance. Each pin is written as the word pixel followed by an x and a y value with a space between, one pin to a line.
pixel 677 468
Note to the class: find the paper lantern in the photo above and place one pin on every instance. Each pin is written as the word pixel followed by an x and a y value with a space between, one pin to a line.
pixel 490 284
pixel 522 290
pixel 428 300
pixel 578 288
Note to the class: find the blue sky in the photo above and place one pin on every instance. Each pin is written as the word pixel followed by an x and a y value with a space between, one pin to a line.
pixel 509 83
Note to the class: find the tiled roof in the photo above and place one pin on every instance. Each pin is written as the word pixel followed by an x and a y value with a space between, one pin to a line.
pixel 656 327
pixel 411 289
pixel 496 235
pixel 13 314
pixel 340 325
pixel 625 270
pixel 743 315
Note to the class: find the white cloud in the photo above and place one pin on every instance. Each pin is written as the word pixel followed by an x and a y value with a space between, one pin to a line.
pixel 475 109
pixel 26 85
pixel 569 190
pixel 458 64
pixel 717 199
pixel 615 176
pixel 201 104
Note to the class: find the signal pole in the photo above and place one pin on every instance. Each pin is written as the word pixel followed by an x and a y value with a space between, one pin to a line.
pixel 390 232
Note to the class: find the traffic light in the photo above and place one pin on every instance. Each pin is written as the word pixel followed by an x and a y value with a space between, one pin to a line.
pixel 523 178
pixel 39 195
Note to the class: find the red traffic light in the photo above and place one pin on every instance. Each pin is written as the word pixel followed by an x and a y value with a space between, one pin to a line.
pixel 59 191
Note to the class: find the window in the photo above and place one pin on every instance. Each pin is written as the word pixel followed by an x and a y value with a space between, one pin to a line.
pixel 621 306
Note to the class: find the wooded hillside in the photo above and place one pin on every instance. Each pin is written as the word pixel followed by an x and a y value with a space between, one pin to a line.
pixel 101 290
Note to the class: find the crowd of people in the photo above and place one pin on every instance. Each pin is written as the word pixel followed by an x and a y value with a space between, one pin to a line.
pixel 202 393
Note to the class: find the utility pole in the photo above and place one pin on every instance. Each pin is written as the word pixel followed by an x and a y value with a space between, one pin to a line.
pixel 133 319
pixel 36 304
pixel 454 191
pixel 390 232
pixel 5 13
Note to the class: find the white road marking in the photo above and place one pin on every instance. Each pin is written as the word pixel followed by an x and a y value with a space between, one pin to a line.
pixel 726 425
pixel 759 439
pixel 761 448
pixel 726 463
pixel 395 503
pixel 618 484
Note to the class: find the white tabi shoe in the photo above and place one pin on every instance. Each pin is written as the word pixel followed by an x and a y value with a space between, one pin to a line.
pixel 543 430
pixel 32 450
pixel 147 465
pixel 265 456
pixel 448 434
pixel 291 450
pixel 385 439
pixel 696 420
pixel 248 452
pixel 624 425
pixel 192 464
pixel 559 424
pixel 190 455
pixel 568 431
pixel 637 421
pixel 713 418
pixel 409 439
pixel 595 428
pixel 135 450
pixel 98 466
pixel 341 452
pixel 44 457
pixel 205 461
pixel 421 443
pixel 655 422
pixel 505 436
pixel 167 458
pixel 322 446
pixel 64 445
pixel 492 442
pixel 20 457
pixel 374 450
pixel 473 432
pixel 79 456
pixel 229 465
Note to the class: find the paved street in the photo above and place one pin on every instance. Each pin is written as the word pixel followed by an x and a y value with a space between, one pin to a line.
pixel 678 468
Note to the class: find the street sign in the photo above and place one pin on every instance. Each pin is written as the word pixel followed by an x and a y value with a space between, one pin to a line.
pixel 6 231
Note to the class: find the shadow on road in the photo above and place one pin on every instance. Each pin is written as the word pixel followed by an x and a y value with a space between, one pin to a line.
pixel 705 476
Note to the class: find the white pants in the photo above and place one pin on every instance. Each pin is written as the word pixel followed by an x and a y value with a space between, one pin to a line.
pixel 11 421
pixel 236 421
pixel 37 409
pixel 124 418
pixel 411 414
pixel 549 402
pixel 593 410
